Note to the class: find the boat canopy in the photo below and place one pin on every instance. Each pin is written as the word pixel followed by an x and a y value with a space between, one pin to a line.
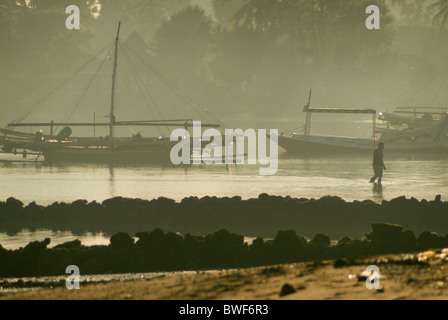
pixel 340 110
pixel 437 129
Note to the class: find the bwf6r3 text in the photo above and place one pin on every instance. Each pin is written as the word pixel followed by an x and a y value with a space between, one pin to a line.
pixel 245 309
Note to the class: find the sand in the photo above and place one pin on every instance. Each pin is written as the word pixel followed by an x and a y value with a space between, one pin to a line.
pixel 418 276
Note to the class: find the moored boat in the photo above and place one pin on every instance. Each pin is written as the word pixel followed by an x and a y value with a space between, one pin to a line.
pixel 430 139
pixel 62 147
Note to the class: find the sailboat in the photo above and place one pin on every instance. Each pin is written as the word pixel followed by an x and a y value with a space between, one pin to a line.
pixel 63 148
pixel 429 139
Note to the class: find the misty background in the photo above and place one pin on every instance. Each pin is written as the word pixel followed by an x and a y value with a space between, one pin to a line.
pixel 250 63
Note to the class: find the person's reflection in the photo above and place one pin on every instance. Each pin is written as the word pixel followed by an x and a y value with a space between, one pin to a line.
pixel 378 191
pixel 231 168
pixel 111 173
pixel 111 181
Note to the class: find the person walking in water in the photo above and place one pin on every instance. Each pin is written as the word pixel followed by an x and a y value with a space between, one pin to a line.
pixel 378 164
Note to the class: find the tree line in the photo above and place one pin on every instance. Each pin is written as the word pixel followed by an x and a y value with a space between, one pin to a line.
pixel 249 47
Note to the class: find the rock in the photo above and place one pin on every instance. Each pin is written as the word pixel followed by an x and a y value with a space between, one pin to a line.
pixel 387 238
pixel 321 240
pixel 380 290
pixel 386 228
pixel 14 203
pixel 287 289
pixel 430 240
pixel 71 245
pixel 121 240
pixel 340 263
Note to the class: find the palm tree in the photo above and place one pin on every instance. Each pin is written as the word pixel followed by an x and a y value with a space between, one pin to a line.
pixel 441 17
pixel 255 14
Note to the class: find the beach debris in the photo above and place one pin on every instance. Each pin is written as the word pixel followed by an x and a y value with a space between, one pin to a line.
pixel 380 290
pixel 363 276
pixel 287 289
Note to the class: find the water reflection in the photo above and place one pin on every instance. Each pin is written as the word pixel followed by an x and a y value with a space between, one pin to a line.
pixel 347 176
pixel 378 192
pixel 24 237
pixel 111 181
pixel 21 239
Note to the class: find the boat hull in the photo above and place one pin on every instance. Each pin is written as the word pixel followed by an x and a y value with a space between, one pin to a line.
pixel 107 156
pixel 146 152
pixel 308 145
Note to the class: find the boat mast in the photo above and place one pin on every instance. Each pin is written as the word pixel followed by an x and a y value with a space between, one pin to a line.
pixel 308 115
pixel 114 76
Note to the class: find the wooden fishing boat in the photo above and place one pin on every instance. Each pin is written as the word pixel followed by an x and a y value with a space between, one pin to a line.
pixel 429 139
pixel 62 147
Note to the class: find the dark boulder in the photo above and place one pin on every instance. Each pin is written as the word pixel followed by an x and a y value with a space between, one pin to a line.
pixel 430 240
pixel 321 240
pixel 121 240
pixel 287 289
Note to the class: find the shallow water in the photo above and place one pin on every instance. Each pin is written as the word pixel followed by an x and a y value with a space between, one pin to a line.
pixel 39 282
pixel 23 238
pixel 346 176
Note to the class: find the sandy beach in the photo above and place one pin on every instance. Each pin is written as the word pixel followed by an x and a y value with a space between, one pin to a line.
pixel 422 276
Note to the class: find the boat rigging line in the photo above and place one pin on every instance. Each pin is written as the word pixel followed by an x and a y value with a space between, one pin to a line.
pixel 143 88
pixel 78 102
pixel 36 105
pixel 441 73
pixel 169 84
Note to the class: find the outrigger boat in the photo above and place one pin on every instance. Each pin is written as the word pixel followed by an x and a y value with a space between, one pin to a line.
pixel 430 139
pixel 412 118
pixel 64 148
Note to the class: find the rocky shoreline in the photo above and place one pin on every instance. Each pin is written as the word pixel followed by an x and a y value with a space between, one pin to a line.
pixel 158 251
pixel 263 216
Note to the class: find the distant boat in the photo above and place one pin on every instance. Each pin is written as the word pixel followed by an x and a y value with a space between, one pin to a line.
pixel 64 148
pixel 430 139
pixel 412 118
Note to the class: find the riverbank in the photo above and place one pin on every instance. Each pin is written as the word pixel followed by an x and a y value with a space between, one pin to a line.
pixel 415 276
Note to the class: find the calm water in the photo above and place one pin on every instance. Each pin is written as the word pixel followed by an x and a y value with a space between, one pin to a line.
pixel 422 176
pixel 346 176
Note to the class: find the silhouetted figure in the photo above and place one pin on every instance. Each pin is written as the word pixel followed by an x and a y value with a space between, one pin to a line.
pixel 378 164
